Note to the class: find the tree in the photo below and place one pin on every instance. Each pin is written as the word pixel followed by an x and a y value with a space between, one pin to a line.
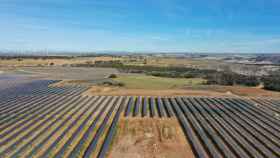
pixel 272 82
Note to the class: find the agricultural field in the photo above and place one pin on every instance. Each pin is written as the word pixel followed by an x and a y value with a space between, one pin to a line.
pixel 39 119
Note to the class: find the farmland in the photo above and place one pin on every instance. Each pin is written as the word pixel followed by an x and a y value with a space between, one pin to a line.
pixel 39 120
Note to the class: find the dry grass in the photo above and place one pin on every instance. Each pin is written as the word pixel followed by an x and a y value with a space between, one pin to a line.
pixel 209 91
pixel 117 91
pixel 241 91
pixel 37 62
pixel 58 62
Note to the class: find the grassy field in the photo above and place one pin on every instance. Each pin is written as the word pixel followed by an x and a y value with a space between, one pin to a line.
pixel 151 82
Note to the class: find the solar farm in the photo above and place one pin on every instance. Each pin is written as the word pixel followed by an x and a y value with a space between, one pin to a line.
pixel 39 120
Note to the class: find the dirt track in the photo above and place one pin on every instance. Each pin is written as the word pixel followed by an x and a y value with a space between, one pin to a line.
pixel 215 91
pixel 116 91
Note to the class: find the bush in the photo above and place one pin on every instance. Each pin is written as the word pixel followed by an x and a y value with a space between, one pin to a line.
pixel 272 82
pixel 107 83
pixel 112 76
pixel 120 84
pixel 112 83
pixel 188 75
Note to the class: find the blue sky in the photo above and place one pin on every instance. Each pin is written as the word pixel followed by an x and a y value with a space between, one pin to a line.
pixel 141 25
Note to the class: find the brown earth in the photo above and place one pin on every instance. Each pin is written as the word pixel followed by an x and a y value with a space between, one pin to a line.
pixel 150 138
pixel 206 91
pixel 68 83
pixel 240 91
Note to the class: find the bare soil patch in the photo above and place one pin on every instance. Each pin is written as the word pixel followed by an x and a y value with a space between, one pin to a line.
pixel 150 138
pixel 205 91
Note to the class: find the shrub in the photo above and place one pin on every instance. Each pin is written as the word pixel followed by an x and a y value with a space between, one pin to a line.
pixel 188 75
pixel 112 76
pixel 121 84
pixel 107 83
pixel 272 82
pixel 112 83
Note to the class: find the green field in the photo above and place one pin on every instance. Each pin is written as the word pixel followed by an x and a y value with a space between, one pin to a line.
pixel 151 82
